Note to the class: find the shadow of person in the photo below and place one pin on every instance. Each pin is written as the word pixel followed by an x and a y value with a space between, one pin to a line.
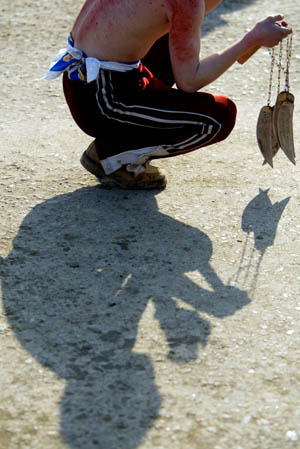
pixel 81 272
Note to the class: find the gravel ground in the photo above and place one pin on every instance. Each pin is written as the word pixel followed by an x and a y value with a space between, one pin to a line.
pixel 148 320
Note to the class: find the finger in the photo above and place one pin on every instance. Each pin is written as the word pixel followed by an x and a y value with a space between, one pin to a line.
pixel 285 29
pixel 277 17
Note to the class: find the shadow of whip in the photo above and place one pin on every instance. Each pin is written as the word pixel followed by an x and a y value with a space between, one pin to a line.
pixel 261 218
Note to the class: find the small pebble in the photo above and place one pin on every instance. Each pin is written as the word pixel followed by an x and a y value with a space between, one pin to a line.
pixel 247 419
pixel 292 435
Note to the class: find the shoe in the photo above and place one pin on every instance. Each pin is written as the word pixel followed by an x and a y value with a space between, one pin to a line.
pixel 151 178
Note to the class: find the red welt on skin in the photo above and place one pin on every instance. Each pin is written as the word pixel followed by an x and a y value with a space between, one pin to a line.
pixel 90 11
pixel 181 25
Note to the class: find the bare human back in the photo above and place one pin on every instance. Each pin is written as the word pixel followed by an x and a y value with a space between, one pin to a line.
pixel 120 30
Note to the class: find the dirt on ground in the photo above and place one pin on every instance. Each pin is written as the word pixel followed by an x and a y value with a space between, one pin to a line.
pixel 145 320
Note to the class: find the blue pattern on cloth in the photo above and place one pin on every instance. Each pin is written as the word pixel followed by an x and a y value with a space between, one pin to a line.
pixel 73 60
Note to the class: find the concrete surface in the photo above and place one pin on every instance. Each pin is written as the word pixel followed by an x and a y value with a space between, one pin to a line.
pixel 145 320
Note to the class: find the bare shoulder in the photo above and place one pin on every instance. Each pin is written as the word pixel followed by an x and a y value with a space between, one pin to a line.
pixel 185 18
pixel 186 14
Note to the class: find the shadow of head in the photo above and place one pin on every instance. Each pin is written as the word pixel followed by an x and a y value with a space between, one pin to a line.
pixel 75 285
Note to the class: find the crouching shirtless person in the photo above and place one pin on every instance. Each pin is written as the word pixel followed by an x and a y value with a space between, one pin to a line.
pixel 122 59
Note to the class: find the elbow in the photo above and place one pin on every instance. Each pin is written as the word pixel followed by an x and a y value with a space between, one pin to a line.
pixel 189 88
pixel 191 84
pixel 185 82
pixel 186 86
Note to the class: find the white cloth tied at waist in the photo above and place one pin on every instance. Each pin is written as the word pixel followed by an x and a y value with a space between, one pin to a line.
pixel 93 65
pixel 66 60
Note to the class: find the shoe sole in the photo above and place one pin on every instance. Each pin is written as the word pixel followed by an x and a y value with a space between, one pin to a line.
pixel 97 171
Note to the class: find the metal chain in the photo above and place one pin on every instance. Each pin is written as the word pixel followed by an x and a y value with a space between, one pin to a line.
pixel 289 43
pixel 279 66
pixel 272 54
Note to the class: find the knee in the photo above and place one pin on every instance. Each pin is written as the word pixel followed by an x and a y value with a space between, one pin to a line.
pixel 232 111
pixel 228 112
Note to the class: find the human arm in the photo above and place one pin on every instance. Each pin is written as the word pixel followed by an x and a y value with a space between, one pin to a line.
pixel 192 73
